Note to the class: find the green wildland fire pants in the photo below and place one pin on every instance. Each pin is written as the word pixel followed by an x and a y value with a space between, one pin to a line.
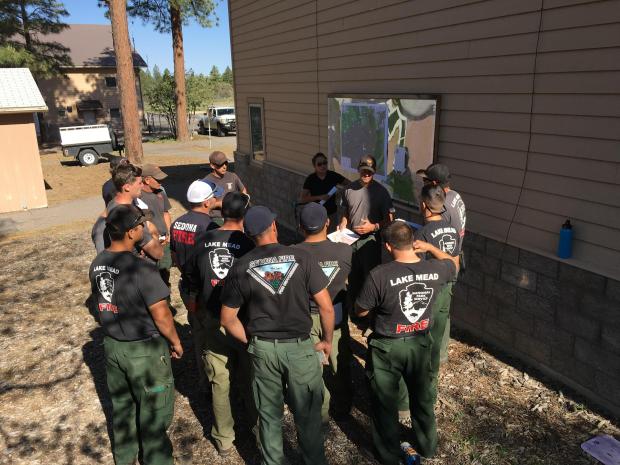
pixel 224 360
pixel 389 361
pixel 440 330
pixel 294 366
pixel 139 378
pixel 336 375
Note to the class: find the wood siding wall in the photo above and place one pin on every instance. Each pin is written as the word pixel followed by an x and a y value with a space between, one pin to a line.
pixel 530 110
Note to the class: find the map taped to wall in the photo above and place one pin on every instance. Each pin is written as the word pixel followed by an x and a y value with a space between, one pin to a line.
pixel 398 132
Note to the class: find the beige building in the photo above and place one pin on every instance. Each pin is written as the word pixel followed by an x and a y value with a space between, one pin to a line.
pixel 529 124
pixel 88 91
pixel 21 175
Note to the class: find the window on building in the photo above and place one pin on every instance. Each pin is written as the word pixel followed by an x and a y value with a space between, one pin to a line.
pixel 257 131
pixel 62 112
pixel 115 113
pixel 69 109
pixel 110 81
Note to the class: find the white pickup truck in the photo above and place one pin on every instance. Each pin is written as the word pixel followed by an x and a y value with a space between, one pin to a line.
pixel 87 143
pixel 219 119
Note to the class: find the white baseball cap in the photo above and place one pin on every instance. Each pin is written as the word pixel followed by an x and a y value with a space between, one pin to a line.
pixel 201 190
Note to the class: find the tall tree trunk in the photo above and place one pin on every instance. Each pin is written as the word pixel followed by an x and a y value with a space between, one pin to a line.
pixel 26 25
pixel 179 71
pixel 126 81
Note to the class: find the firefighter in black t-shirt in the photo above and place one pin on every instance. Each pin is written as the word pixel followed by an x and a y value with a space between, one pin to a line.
pixel 273 283
pixel 335 260
pixel 400 295
pixel 140 336
pixel 223 357
pixel 443 235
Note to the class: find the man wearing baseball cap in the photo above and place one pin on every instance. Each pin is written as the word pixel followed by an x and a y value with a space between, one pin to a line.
pixel 158 204
pixel 223 357
pixel 130 301
pixel 334 259
pixel 220 176
pixel 184 237
pixel 455 214
pixel 367 208
pixel 273 283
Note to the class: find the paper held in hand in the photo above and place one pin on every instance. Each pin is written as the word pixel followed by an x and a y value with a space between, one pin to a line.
pixel 330 193
pixel 346 236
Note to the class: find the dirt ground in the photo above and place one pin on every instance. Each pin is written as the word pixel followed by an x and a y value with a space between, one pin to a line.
pixel 66 179
pixel 55 407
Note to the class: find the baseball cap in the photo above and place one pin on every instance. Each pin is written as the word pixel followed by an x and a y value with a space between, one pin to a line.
pixel 201 190
pixel 122 218
pixel 153 171
pixel 313 217
pixel 257 220
pixel 234 205
pixel 367 162
pixel 218 158
pixel 437 172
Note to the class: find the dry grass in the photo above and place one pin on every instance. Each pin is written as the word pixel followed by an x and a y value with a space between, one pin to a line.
pixel 54 400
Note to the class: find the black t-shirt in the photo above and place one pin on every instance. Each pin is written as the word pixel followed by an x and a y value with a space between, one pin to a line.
pixel 207 269
pixel 108 191
pixel 185 232
pixel 124 287
pixel 442 235
pixel 274 282
pixel 318 186
pixel 402 295
pixel 335 260
pixel 455 213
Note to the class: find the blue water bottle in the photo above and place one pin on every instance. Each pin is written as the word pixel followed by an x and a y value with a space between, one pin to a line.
pixel 565 246
pixel 410 456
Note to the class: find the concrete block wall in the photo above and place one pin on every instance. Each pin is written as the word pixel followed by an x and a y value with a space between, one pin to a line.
pixel 559 319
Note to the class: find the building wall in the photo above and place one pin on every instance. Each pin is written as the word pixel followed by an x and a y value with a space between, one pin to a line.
pixel 21 175
pixel 64 92
pixel 529 125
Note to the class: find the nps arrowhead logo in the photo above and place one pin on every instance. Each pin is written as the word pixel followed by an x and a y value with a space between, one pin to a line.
pixel 273 276
pixel 330 269
pixel 414 300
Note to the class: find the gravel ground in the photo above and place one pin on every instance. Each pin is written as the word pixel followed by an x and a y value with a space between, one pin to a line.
pixel 55 404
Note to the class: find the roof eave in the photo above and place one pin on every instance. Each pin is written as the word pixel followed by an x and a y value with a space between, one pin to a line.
pixel 23 110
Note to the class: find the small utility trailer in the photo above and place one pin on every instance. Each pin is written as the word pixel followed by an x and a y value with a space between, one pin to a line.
pixel 87 143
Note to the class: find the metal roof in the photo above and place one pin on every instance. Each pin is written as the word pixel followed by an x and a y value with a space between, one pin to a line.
pixel 18 92
pixel 90 45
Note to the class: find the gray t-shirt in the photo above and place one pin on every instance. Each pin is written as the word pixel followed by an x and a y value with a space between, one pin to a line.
pixel 455 213
pixel 158 203
pixel 100 236
pixel 372 203
pixel 230 182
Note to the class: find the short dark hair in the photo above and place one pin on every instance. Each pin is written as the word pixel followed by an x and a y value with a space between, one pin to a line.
pixel 125 174
pixel 115 235
pixel 399 235
pixel 434 197
pixel 234 205
pixel 115 162
pixel 317 156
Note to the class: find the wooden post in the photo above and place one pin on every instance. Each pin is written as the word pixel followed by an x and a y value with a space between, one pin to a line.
pixel 126 81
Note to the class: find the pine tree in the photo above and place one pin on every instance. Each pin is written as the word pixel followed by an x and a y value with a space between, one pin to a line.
pixel 24 25
pixel 214 74
pixel 227 76
pixel 169 16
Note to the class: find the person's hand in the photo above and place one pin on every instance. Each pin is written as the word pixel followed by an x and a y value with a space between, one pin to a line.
pixel 326 348
pixel 176 351
pixel 324 197
pixel 167 240
pixel 421 246
pixel 365 227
